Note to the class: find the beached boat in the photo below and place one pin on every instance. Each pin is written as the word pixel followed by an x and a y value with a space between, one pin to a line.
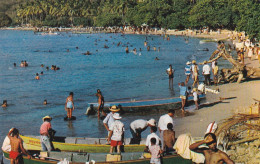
pixel 143 105
pixel 82 158
pixel 76 144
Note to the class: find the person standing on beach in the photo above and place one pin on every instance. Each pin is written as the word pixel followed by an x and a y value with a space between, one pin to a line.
pixel 45 135
pixel 212 154
pixel 206 73
pixel 100 102
pixel 163 122
pixel 183 94
pixel 170 72
pixel 215 74
pixel 152 135
pixel 187 72
pixel 195 97
pixel 195 73
pixel 109 118
pixel 138 126
pixel 16 146
pixel 69 106
pixel 155 151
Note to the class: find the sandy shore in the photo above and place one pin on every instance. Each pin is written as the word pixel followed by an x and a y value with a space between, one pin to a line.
pixel 241 96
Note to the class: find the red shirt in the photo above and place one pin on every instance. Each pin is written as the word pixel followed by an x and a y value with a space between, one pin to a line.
pixel 44 128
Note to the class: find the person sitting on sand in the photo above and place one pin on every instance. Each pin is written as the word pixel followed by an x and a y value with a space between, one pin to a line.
pixel 100 102
pixel 168 138
pixel 69 105
pixel 37 77
pixel 4 103
pixel 116 133
pixel 16 146
pixel 212 154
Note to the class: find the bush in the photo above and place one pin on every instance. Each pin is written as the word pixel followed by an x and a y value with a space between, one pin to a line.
pixel 5 20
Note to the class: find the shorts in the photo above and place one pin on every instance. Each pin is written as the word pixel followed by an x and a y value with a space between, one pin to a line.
pixel 14 155
pixel 182 97
pixel 171 76
pixel 155 160
pixel 116 143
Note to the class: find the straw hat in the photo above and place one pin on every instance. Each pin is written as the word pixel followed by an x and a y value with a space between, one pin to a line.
pixel 46 117
pixel 116 116
pixel 114 108
pixel 193 61
pixel 151 122
pixel 188 63
pixel 195 89
pixel 204 62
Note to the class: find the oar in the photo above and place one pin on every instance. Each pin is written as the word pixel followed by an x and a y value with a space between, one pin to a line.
pixel 39 156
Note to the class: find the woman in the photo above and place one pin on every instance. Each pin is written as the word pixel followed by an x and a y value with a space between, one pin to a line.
pixel 100 102
pixel 196 75
pixel 69 106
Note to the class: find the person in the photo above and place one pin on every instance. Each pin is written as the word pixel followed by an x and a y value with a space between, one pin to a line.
pixel 100 102
pixel 187 72
pixel 195 98
pixel 145 43
pixel 109 118
pixel 14 64
pixel 126 49
pixel 148 48
pixel 41 73
pixel 116 133
pixel 138 126
pixel 195 73
pixel 37 77
pixel 168 138
pixel 206 72
pixel 242 56
pixel 22 64
pixel 6 144
pixel 154 48
pixel 155 152
pixel 170 72
pixel 16 146
pixel 69 106
pixel 183 94
pixel 45 133
pixel 4 103
pixel 215 73
pixel 212 154
pixel 45 102
pixel 25 64
pixel 156 58
pixel 152 135
pixel 163 122
pixel 134 51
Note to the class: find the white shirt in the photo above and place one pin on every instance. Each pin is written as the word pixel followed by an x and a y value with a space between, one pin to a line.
pixel 206 69
pixel 148 139
pixel 164 120
pixel 195 96
pixel 192 67
pixel 139 124
pixel 6 144
pixel 118 129
pixel 109 119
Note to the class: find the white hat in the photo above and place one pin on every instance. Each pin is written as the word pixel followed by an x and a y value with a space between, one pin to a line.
pixel 188 63
pixel 116 116
pixel 151 122
pixel 212 127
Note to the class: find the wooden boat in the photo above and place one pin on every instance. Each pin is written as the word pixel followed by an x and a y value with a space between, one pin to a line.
pixel 76 144
pixel 82 158
pixel 143 105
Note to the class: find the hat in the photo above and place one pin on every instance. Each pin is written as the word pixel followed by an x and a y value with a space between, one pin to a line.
pixel 188 62
pixel 193 61
pixel 116 116
pixel 114 108
pixel 204 62
pixel 151 122
pixel 212 127
pixel 195 89
pixel 46 117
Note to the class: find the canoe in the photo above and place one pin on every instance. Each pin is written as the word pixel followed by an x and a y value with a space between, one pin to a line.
pixel 76 144
pixel 143 105
pixel 82 158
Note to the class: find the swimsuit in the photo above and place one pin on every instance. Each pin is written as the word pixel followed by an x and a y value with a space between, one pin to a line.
pixel 69 105
pixel 14 155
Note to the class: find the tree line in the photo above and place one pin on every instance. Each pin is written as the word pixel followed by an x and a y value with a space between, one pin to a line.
pixel 240 15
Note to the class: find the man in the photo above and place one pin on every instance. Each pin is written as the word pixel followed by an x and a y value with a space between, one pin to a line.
pixel 16 146
pixel 100 102
pixel 138 126
pixel 152 135
pixel 69 106
pixel 44 132
pixel 168 138
pixel 116 133
pixel 109 118
pixel 215 73
pixel 212 154
pixel 4 103
pixel 170 72
pixel 187 72
pixel 195 73
pixel 206 72
pixel 183 94
pixel 163 122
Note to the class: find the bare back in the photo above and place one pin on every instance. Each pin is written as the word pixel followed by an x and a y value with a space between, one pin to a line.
pixel 15 144
pixel 218 157
pixel 169 138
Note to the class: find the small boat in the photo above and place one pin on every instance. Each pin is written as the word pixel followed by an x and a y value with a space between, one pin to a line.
pixel 80 144
pixel 142 105
pixel 83 158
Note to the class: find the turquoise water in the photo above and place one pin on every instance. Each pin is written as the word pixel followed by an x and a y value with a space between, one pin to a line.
pixel 120 76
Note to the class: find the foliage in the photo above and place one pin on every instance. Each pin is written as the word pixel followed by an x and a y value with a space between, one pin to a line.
pixel 5 20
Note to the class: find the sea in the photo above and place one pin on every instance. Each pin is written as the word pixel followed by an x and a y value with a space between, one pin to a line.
pixel 120 76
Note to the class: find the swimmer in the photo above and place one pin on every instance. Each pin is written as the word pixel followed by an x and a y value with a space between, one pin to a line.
pixel 140 49
pixel 14 64
pixel 145 43
pixel 68 50
pixel 77 47
pixel 57 68
pixel 47 68
pixel 148 48
pixel 69 106
pixel 154 48
pixel 87 53
pixel 156 58
pixel 4 103
pixel 126 49
pixel 41 73
pixel 100 103
pixel 159 48
pixel 22 64
pixel 134 51
pixel 25 64
pixel 42 65
pixel 37 77
pixel 45 102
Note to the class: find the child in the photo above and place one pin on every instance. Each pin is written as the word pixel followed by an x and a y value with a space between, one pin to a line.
pixel 195 97
pixel 155 152
pixel 37 77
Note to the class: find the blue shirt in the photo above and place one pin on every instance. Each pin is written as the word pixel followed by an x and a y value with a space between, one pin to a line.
pixel 183 90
